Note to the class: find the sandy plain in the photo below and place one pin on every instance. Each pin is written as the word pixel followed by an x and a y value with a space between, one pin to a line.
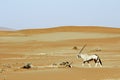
pixel 44 47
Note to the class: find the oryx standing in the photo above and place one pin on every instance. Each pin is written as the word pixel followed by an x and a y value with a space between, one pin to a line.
pixel 87 58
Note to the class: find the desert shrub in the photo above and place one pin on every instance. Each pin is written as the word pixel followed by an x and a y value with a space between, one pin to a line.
pixel 66 64
pixel 27 66
pixel 75 48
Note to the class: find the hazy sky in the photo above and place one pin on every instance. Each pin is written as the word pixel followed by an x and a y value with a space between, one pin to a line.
pixel 20 14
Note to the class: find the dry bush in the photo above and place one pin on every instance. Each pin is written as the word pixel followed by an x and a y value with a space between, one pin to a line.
pixel 27 66
pixel 75 48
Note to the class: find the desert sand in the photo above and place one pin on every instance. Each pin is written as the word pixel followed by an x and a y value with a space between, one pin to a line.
pixel 44 47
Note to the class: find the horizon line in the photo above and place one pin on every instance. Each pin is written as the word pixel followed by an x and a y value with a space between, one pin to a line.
pixel 57 27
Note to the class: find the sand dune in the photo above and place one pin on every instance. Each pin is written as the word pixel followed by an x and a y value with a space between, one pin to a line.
pixel 43 47
pixel 72 29
pixel 5 29
pixel 58 36
pixel 95 29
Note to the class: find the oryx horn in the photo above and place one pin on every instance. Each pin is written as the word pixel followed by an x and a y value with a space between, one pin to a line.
pixel 82 48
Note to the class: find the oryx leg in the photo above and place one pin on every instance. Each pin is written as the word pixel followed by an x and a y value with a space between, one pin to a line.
pixel 89 64
pixel 100 64
pixel 83 64
pixel 96 62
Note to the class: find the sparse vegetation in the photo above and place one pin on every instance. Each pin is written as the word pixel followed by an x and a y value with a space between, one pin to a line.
pixel 96 50
pixel 66 64
pixel 75 48
pixel 27 66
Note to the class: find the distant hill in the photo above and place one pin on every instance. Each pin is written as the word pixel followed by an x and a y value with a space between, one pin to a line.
pixel 98 29
pixel 94 29
pixel 6 29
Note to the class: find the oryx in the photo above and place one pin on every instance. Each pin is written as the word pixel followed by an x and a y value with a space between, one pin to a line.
pixel 87 58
